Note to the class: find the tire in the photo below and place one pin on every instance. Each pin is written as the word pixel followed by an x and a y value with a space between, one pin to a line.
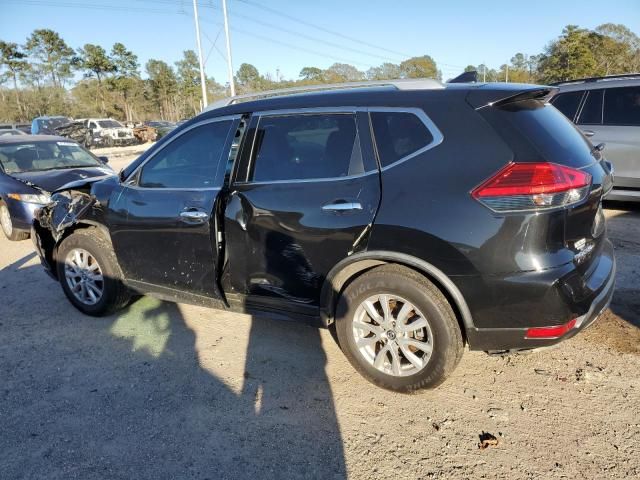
pixel 427 310
pixel 6 223
pixel 113 294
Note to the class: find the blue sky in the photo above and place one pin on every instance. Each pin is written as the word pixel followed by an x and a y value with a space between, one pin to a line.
pixel 455 34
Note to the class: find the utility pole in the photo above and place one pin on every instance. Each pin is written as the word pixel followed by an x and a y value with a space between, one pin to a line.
pixel 202 76
pixel 506 74
pixel 226 33
pixel 484 72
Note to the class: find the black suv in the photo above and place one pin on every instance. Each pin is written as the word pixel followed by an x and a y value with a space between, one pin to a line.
pixel 417 217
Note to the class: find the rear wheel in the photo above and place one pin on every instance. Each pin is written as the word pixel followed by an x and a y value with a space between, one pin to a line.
pixel 89 273
pixel 398 330
pixel 7 225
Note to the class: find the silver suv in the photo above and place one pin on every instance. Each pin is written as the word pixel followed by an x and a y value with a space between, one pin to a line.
pixel 607 109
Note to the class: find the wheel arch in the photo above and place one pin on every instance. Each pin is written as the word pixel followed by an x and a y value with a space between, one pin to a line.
pixel 352 267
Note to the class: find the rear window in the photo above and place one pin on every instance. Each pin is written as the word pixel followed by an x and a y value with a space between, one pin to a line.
pixel 539 132
pixel 568 103
pixel 622 106
pixel 398 135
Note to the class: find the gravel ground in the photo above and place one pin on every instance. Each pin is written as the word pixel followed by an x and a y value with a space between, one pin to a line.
pixel 175 391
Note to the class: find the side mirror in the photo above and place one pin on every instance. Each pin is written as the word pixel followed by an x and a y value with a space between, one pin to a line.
pixel 104 159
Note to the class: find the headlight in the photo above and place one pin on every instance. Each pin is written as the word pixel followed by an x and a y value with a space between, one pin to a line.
pixel 31 197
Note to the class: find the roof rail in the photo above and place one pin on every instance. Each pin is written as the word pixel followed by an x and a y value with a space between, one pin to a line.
pixel 597 79
pixel 400 84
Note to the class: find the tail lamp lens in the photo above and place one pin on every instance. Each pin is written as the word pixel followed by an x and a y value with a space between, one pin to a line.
pixel 550 332
pixel 533 186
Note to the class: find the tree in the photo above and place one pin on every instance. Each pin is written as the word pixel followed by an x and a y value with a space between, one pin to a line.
pixel 419 67
pixel 569 57
pixel 54 57
pixel 126 80
pixel 342 72
pixel 93 59
pixel 163 88
pixel 386 71
pixel 188 73
pixel 14 61
pixel 312 74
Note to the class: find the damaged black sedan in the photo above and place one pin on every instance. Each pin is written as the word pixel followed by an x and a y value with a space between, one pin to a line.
pixel 33 166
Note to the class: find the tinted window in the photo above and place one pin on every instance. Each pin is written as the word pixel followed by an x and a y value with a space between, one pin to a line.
pixel 189 161
pixel 591 113
pixel 622 106
pixel 568 103
pixel 302 147
pixel 398 134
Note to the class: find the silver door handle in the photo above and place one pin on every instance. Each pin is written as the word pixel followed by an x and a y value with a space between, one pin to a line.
pixel 194 216
pixel 342 207
pixel 588 133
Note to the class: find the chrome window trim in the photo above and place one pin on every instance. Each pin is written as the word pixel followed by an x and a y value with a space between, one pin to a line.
pixel 126 183
pixel 431 127
pixel 308 180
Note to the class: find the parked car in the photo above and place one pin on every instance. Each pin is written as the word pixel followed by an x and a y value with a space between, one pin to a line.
pixel 415 216
pixel 23 127
pixel 11 131
pixel 107 132
pixel 607 110
pixel 47 125
pixel 33 166
pixel 161 126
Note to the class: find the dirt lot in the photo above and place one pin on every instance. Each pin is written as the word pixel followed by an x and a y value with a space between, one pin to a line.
pixel 175 391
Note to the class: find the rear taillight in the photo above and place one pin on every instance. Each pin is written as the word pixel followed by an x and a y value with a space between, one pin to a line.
pixel 533 186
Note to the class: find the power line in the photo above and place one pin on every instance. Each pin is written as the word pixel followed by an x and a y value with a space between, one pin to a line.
pixel 323 29
pixel 285 30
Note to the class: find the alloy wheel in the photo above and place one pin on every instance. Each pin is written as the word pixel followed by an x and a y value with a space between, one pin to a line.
pixel 392 335
pixel 5 220
pixel 84 276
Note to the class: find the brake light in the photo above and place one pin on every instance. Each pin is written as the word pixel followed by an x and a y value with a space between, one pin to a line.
pixel 550 332
pixel 533 186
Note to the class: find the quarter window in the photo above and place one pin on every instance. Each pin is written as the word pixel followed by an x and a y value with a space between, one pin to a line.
pixel 398 134
pixel 591 113
pixel 622 106
pixel 306 147
pixel 189 161
pixel 568 103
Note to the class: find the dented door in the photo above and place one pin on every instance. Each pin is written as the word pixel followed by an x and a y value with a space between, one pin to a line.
pixel 283 235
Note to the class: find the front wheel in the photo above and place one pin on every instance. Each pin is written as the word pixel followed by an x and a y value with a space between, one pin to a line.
pixel 398 329
pixel 89 273
pixel 7 225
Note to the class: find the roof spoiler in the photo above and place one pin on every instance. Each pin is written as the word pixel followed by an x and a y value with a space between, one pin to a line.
pixel 465 77
pixel 493 97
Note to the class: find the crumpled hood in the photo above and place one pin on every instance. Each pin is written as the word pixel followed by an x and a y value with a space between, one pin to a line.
pixel 52 180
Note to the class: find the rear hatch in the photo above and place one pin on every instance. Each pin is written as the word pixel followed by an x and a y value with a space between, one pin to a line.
pixel 538 133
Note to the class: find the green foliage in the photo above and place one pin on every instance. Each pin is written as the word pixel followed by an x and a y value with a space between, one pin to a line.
pixel 420 67
pixel 53 57
pixel 312 74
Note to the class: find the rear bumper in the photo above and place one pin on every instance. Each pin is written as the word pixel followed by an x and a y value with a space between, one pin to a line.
pixel 600 286
pixel 624 195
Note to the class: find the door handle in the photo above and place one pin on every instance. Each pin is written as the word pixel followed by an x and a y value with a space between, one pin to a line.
pixel 341 206
pixel 588 133
pixel 194 216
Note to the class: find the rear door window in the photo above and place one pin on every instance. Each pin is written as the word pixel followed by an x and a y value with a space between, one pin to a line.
pixel 568 103
pixel 398 135
pixel 306 147
pixel 591 113
pixel 622 106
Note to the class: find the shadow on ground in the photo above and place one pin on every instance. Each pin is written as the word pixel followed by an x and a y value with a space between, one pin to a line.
pixel 127 396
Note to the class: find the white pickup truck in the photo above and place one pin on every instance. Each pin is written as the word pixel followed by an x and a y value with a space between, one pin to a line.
pixel 107 132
